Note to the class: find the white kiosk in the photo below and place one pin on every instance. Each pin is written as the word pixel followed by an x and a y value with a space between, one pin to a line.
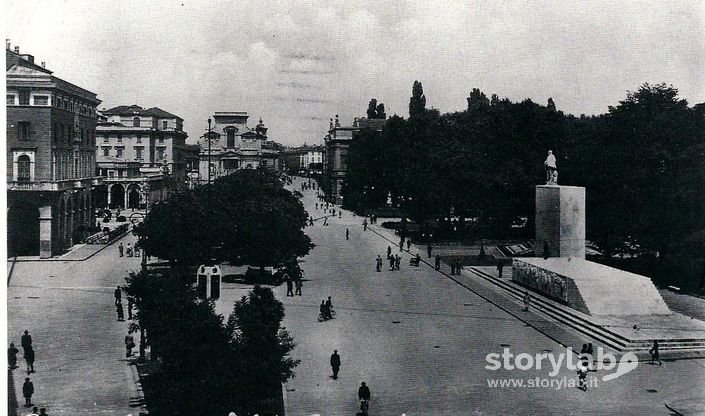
pixel 208 282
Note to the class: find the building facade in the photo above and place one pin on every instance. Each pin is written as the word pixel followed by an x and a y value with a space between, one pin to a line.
pixel 142 155
pixel 231 145
pixel 303 160
pixel 50 159
pixel 337 142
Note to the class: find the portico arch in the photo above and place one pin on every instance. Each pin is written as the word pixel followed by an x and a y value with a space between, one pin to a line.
pixel 117 196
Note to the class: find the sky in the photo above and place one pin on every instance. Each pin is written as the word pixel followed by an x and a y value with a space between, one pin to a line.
pixel 296 64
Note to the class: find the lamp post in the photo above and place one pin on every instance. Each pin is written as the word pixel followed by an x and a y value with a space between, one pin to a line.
pixel 209 150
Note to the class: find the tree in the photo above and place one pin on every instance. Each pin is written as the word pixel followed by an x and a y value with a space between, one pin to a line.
pixel 380 111
pixel 244 218
pixel 372 109
pixel 477 100
pixel 417 103
pixel 262 344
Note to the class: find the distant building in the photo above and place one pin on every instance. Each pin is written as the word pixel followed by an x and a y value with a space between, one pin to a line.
pixel 337 142
pixel 303 160
pixel 231 145
pixel 140 153
pixel 50 159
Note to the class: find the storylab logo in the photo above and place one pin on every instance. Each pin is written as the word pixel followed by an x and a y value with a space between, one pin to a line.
pixel 603 361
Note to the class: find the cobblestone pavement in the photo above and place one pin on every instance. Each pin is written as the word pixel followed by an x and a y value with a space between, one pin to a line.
pixel 68 308
pixel 420 342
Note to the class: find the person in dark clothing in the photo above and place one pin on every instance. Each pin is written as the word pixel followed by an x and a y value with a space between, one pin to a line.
pixel 120 312
pixel 363 394
pixel 379 263
pixel 392 260
pixel 335 363
pixel 299 285
pixel 438 262
pixel 118 295
pixel 654 353
pixel 347 234
pixel 12 356
pixel 130 305
pixel 43 412
pixel 121 250
pixel 389 251
pixel 401 245
pixel 26 341
pixel 417 260
pixel 429 249
pixel 452 267
pixel 289 286
pixel 397 261
pixel 499 269
pixel 27 392
pixel 408 244
pixel 29 358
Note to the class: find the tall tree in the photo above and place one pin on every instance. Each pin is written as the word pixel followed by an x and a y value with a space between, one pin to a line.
pixel 372 109
pixel 380 111
pixel 417 103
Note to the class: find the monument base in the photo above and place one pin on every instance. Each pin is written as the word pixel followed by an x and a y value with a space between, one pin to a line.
pixel 560 221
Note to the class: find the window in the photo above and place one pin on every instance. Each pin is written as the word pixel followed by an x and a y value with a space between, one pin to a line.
pixel 24 98
pixel 23 169
pixel 139 139
pixel 23 130
pixel 165 124
pixel 106 151
pixel 229 164
pixel 111 174
pixel 10 99
pixel 161 140
pixel 231 138
pixel 66 104
pixel 136 122
pixel 119 138
pixel 105 139
pixel 58 102
pixel 118 152
pixel 139 151
pixel 55 133
pixel 41 100
pixel 160 153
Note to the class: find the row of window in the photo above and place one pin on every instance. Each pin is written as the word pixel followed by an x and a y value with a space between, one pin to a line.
pixel 106 139
pixel 44 100
pixel 60 133
pixel 136 123
pixel 139 152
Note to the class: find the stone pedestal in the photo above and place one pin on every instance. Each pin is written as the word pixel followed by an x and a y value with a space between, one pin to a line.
pixel 45 232
pixel 560 221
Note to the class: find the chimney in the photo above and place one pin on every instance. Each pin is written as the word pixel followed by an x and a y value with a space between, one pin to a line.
pixel 44 64
pixel 17 50
pixel 8 45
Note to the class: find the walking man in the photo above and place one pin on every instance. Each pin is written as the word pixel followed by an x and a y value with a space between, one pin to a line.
pixel 408 244
pixel 397 260
pixel 27 392
pixel 29 358
pixel 428 250
pixel 26 341
pixel 121 249
pixel 129 344
pixel 347 234
pixel 118 295
pixel 12 356
pixel 392 262
pixel 335 363
pixel 120 312
pixel 299 284
pixel 364 224
pixel 130 305
pixel 289 286
pixel 379 263
pixel 389 252
pixel 499 268
pixel 438 262
pixel 527 301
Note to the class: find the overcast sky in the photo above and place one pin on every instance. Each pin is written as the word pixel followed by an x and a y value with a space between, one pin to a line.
pixel 296 64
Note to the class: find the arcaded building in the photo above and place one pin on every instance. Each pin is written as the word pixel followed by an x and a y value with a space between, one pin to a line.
pixel 50 159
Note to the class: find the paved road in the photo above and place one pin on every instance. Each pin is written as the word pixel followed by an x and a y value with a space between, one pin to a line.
pixel 420 340
pixel 68 308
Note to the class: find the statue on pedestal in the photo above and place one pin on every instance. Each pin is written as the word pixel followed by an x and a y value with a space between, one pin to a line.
pixel 551 169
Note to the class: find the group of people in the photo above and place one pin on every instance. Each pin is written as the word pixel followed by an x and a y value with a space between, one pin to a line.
pixel 455 266
pixel 308 185
pixel 128 251
pixel 28 351
pixel 326 309
pixel 292 283
pixel 129 338
pixel 363 392
pixel 393 259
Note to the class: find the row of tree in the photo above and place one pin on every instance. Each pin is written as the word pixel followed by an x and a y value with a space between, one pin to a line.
pixel 643 164
pixel 204 366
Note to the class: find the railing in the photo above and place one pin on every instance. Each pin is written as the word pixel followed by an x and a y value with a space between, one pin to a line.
pixel 61 185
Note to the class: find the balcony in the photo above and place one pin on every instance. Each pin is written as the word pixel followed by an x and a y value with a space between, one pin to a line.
pixel 54 186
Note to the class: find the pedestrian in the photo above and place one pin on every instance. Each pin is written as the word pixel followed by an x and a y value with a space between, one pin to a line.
pixel 118 295
pixel 379 263
pixel 129 344
pixel 27 391
pixel 120 312
pixel 589 349
pixel 397 260
pixel 12 356
pixel 121 249
pixel 499 268
pixel 428 250
pixel 438 262
pixel 29 358
pixel 389 252
pixel 310 221
pixel 43 411
pixel 340 213
pixel 654 353
pixel 527 300
pixel 26 341
pixel 582 375
pixel 364 224
pixel 335 363
pixel 452 267
pixel 458 266
pixel 325 220
pixel 289 285
pixel 316 205
pixel 299 285
pixel 347 234
pixel 128 250
pixel 392 261
pixel 417 260
pixel 130 305
pixel 401 244
pixel 408 244
pixel 34 412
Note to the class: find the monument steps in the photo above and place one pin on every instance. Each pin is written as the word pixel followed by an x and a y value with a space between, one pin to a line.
pixel 583 323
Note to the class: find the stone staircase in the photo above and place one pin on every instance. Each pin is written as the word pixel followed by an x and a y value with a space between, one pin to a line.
pixel 611 336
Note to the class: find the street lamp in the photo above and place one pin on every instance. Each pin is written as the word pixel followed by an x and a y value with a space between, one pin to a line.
pixel 209 150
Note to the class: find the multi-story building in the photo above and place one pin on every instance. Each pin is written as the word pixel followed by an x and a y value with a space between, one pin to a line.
pixel 50 159
pixel 231 145
pixel 337 142
pixel 303 160
pixel 142 155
